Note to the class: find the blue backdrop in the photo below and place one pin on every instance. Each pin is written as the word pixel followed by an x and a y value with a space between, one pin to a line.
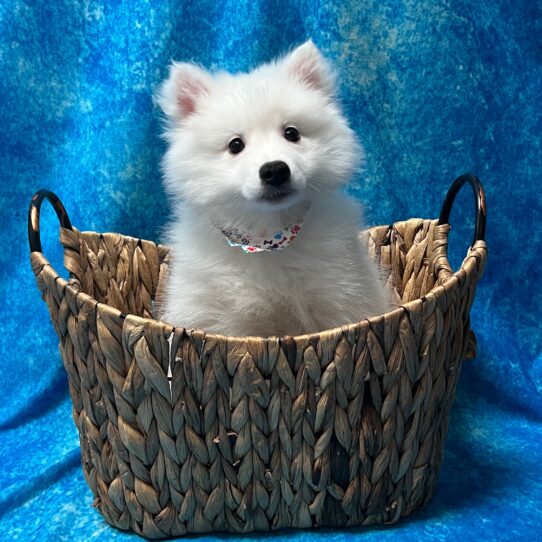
pixel 432 88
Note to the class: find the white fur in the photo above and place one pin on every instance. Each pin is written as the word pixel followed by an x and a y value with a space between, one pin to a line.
pixel 324 278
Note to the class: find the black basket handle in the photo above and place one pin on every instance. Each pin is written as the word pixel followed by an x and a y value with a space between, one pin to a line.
pixel 34 216
pixel 479 204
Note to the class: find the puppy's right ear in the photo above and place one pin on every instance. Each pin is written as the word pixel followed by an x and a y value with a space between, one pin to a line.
pixel 180 93
pixel 307 65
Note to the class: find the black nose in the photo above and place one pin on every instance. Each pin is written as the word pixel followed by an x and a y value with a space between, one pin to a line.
pixel 275 173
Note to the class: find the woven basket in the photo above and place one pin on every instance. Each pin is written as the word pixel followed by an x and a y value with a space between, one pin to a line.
pixel 338 428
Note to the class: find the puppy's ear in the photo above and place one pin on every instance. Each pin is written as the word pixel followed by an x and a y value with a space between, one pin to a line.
pixel 180 93
pixel 307 65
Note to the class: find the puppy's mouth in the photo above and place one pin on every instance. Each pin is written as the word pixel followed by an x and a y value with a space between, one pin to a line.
pixel 273 194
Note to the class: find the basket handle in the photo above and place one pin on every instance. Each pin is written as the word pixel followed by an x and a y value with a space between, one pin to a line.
pixel 479 204
pixel 34 216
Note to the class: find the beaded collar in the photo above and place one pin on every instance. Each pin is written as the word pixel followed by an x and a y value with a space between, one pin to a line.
pixel 265 239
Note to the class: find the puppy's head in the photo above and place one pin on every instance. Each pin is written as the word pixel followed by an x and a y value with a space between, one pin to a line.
pixel 261 141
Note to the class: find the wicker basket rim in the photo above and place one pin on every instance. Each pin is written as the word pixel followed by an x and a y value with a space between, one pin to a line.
pixel 433 295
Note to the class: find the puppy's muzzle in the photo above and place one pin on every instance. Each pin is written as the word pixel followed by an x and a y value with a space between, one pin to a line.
pixel 275 173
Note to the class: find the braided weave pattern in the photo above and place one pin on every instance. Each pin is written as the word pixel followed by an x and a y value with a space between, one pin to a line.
pixel 344 427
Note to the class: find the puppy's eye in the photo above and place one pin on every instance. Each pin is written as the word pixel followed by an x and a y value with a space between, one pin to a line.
pixel 236 145
pixel 291 134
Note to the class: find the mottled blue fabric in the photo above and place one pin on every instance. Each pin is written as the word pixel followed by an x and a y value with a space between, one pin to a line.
pixel 432 88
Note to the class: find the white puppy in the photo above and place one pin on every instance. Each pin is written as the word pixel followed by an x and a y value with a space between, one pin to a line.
pixel 263 241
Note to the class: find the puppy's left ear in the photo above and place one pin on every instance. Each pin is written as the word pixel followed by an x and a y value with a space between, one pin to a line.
pixel 307 66
pixel 181 93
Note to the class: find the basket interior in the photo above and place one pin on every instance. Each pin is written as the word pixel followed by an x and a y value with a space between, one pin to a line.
pixel 127 273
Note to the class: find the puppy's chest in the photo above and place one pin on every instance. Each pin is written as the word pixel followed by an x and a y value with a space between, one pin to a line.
pixel 294 277
pixel 296 289
pixel 298 294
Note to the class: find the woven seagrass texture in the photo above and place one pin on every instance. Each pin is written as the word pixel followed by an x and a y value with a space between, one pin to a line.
pixel 343 427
